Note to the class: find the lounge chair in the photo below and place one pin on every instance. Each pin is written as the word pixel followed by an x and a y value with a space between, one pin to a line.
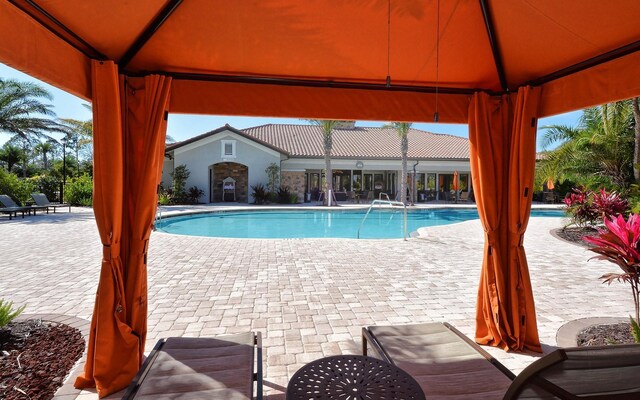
pixel 223 367
pixel 340 196
pixel 42 201
pixel 9 204
pixel 13 211
pixel 551 197
pixel 448 365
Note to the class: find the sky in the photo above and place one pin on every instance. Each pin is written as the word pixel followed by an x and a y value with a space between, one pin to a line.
pixel 184 126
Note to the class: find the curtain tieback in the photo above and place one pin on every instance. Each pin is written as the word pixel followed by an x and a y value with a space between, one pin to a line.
pixel 491 240
pixel 106 252
pixel 145 250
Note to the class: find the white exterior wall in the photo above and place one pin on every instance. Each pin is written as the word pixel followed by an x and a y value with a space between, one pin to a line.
pixel 167 170
pixel 198 156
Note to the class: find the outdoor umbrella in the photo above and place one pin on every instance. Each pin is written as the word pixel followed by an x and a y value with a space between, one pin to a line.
pixel 496 65
pixel 550 184
pixel 455 185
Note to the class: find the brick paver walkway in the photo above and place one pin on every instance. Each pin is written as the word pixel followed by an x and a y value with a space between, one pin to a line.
pixel 309 297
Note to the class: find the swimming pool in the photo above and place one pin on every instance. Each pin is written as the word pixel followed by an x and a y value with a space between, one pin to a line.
pixel 289 224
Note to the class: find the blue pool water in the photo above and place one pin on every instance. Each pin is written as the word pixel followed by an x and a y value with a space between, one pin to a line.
pixel 287 224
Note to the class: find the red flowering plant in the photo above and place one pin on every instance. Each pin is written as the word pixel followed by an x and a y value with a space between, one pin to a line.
pixel 580 207
pixel 620 244
pixel 610 204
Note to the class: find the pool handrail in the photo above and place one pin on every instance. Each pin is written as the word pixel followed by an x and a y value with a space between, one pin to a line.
pixel 387 202
pixel 157 218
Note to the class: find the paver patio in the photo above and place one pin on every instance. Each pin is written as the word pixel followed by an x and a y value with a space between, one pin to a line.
pixel 308 297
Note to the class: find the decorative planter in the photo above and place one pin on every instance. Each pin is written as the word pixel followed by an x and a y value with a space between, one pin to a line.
pixel 567 335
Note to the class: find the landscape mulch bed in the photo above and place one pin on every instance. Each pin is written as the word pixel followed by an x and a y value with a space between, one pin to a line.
pixel 601 335
pixel 575 234
pixel 35 358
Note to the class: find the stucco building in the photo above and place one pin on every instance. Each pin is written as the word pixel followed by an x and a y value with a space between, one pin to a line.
pixel 364 160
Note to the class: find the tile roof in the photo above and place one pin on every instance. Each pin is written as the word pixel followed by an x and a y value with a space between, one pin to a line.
pixel 360 142
pixel 225 128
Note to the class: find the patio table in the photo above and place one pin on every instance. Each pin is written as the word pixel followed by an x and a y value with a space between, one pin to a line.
pixel 351 377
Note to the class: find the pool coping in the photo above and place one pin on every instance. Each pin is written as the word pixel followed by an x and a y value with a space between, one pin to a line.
pixel 166 211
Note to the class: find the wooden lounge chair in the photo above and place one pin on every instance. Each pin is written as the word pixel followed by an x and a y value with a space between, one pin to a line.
pixel 450 366
pixel 10 205
pixel 223 367
pixel 42 201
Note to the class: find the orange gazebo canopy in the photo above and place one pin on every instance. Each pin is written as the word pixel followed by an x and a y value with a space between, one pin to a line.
pixel 328 59
pixel 498 65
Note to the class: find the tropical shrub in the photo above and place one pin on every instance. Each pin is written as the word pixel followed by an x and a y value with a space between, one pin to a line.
pixel 180 175
pixel 164 197
pixel 18 189
pixel 194 193
pixel 48 185
pixel 273 177
pixel 609 205
pixel 587 207
pixel 633 195
pixel 635 330
pixel 284 195
pixel 79 191
pixel 7 313
pixel 580 207
pixel 260 193
pixel 294 198
pixel 597 153
pixel 619 243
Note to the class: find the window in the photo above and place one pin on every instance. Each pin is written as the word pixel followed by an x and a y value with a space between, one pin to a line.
pixel 228 149
pixel 357 180
pixel 464 182
pixel 431 181
pixel 419 181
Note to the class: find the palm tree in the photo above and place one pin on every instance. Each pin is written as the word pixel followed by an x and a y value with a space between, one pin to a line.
pixel 44 148
pixel 403 132
pixel 11 155
pixel 78 133
pixel 27 145
pixel 598 152
pixel 327 126
pixel 23 112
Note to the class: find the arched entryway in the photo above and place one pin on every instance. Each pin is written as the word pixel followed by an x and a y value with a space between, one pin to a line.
pixel 218 172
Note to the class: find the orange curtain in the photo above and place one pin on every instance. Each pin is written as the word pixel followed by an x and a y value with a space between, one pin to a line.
pixel 129 132
pixel 522 164
pixel 502 140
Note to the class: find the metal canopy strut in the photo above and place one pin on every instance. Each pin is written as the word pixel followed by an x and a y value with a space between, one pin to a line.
pixel 495 49
pixel 148 32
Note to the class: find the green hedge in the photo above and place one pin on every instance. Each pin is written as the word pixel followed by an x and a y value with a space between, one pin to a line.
pixel 18 189
pixel 79 191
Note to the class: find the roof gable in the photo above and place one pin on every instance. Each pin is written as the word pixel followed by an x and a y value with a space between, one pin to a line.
pixel 222 129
